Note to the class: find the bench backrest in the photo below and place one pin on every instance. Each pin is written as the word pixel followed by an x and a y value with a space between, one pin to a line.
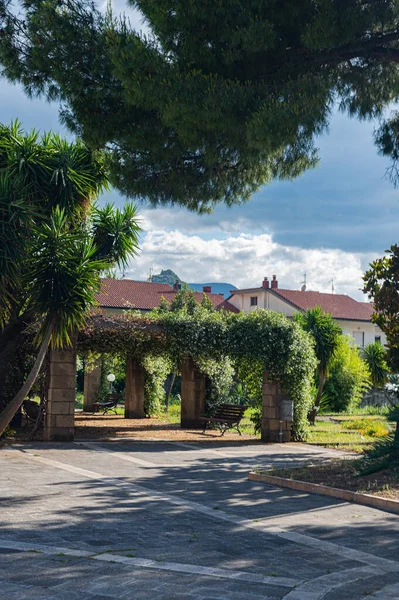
pixel 230 412
pixel 114 398
pixel 31 409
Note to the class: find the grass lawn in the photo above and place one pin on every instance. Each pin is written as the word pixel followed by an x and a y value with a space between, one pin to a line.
pixel 348 432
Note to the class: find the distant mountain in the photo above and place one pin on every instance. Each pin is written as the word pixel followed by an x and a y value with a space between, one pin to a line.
pixel 170 277
pixel 166 276
pixel 217 288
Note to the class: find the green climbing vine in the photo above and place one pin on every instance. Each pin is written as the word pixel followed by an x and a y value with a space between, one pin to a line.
pixel 220 343
pixel 157 368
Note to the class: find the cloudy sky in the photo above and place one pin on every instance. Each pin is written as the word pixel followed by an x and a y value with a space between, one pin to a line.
pixel 329 223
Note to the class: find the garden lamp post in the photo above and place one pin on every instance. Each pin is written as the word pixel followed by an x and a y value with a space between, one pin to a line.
pixel 111 379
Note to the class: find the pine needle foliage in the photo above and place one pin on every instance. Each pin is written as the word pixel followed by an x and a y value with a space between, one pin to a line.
pixel 219 97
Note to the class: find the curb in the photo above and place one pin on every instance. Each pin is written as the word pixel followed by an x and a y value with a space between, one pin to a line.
pixel 324 490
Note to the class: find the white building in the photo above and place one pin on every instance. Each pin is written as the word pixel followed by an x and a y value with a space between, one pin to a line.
pixel 354 317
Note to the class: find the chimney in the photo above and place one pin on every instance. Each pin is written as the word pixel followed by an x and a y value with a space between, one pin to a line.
pixel 207 289
pixel 274 283
pixel 265 283
pixel 176 286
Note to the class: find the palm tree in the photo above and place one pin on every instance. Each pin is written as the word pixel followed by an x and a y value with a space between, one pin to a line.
pixel 325 333
pixel 374 357
pixel 54 243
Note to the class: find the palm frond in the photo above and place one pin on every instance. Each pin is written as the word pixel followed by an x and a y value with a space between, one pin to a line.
pixel 116 233
pixel 65 277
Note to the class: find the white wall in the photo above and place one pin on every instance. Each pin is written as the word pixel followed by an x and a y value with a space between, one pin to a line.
pixel 369 329
pixel 268 300
pixel 243 301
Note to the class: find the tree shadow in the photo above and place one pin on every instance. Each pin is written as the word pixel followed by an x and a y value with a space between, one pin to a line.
pixel 148 510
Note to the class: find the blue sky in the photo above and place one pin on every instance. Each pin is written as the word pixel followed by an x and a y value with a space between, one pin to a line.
pixel 329 223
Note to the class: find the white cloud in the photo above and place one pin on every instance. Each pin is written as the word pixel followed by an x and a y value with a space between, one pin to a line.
pixel 245 259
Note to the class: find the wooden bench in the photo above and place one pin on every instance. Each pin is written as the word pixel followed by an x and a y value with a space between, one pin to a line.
pixel 32 411
pixel 227 416
pixel 110 404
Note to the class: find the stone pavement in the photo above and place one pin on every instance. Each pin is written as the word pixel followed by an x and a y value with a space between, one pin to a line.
pixel 168 520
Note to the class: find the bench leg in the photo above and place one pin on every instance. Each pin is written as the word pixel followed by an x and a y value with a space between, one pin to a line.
pixel 205 426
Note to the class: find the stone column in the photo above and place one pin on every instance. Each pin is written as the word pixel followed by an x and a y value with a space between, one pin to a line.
pixel 134 392
pixel 60 415
pixel 192 395
pixel 91 383
pixel 271 398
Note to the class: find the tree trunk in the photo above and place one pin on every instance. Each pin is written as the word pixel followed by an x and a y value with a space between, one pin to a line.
pixel 7 414
pixel 8 353
pixel 168 393
pixel 313 413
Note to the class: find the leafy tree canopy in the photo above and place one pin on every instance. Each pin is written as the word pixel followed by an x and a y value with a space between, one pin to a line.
pixel 219 98
pixel 381 283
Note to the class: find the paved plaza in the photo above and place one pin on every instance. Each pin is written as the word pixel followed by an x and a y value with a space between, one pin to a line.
pixel 166 520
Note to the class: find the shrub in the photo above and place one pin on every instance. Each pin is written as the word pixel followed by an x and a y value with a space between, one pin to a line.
pixel 349 377
pixel 7 433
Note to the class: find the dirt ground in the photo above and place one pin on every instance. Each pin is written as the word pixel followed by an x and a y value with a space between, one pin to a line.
pixel 89 426
pixel 344 474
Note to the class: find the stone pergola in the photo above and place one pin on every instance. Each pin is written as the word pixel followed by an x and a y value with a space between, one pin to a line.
pixel 60 414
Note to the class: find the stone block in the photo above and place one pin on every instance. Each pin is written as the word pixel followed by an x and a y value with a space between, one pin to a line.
pixel 134 392
pixel 64 434
pixel 192 395
pixel 268 400
pixel 63 356
pixel 61 408
pixel 62 382
pixel 64 421
pixel 271 412
pixel 50 421
pixel 60 369
pixel 61 395
pixel 269 388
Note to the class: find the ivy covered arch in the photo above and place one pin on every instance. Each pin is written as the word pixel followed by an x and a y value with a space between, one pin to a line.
pixel 259 343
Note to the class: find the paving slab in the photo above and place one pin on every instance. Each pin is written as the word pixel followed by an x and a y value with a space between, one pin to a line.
pixel 179 520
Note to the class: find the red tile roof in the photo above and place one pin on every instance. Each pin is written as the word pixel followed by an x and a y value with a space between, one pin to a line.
pixel 339 306
pixel 144 295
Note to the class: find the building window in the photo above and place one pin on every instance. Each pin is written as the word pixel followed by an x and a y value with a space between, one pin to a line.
pixel 254 300
pixel 377 339
pixel 359 338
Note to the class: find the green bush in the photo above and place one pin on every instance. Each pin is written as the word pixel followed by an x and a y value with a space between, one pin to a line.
pixel 349 377
pixel 7 433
